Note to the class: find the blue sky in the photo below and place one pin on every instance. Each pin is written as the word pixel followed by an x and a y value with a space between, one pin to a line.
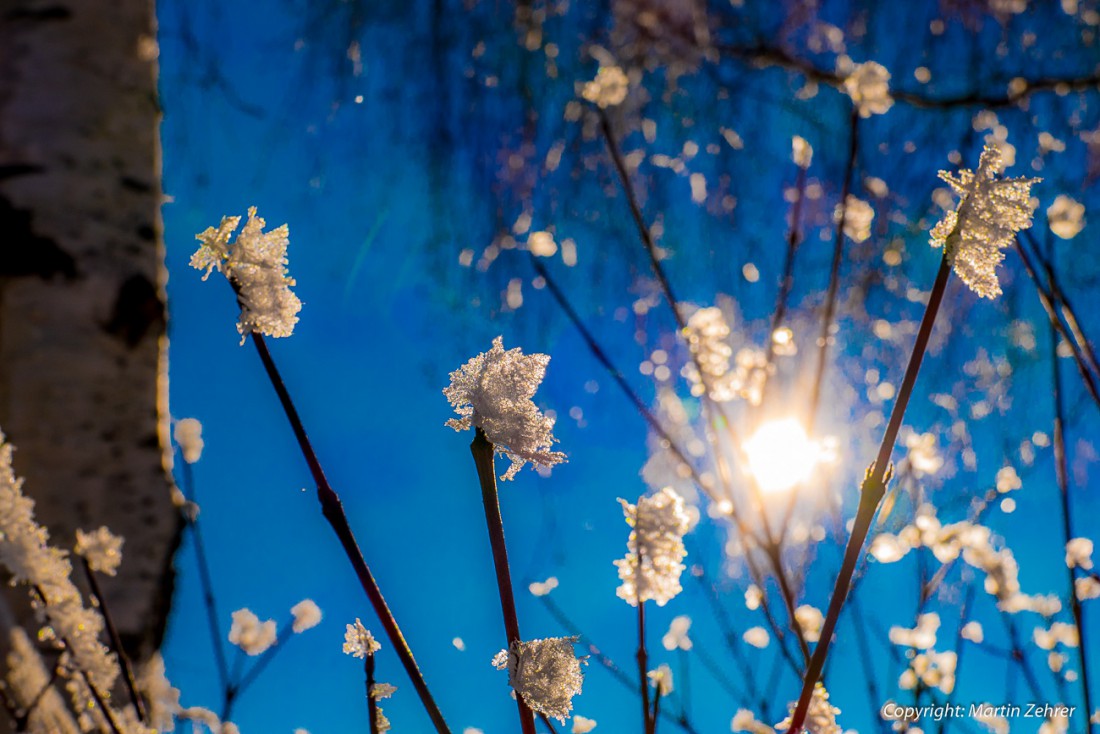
pixel 381 196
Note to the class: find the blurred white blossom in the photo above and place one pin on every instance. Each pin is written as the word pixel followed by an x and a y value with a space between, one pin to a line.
pixel 922 637
pixel 582 724
pixel 868 84
pixel 858 216
pixel 757 637
pixel 677 636
pixel 1066 217
pixel 493 392
pixel 608 89
pixel 1079 553
pixel 545 673
pixel 810 620
pixel 655 549
pixel 188 434
pixel 744 720
pixel 250 634
pixel 989 214
pixel 255 263
pixel 542 588
pixel 801 151
pixel 307 615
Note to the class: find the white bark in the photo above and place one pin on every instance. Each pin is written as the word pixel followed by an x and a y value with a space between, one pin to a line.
pixel 82 330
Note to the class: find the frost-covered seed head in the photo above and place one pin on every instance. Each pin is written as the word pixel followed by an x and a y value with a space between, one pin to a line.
pixel 307 615
pixel 188 434
pixel 655 549
pixel 255 263
pixel 990 213
pixel 493 392
pixel 101 548
pixel 677 636
pixel 359 642
pixel 250 634
pixel 868 84
pixel 608 89
pixel 545 673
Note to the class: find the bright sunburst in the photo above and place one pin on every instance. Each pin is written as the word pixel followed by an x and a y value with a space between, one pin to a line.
pixel 781 455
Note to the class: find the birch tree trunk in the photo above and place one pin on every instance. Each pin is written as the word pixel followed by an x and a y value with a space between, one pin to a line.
pixel 83 378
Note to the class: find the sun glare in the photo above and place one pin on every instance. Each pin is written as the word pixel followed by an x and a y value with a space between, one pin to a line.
pixel 781 455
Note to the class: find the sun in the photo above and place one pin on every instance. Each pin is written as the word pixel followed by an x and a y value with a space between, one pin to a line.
pixel 781 455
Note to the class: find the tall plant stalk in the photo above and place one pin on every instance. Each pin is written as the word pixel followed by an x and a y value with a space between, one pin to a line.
pixel 1062 473
pixel 871 493
pixel 482 450
pixel 642 656
pixel 333 510
pixel 372 703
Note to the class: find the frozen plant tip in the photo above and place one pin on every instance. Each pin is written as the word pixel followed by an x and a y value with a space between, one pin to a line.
pixel 990 213
pixel 359 642
pixel 101 549
pixel 655 549
pixel 255 263
pixel 493 392
pixel 608 89
pixel 546 674
pixel 868 84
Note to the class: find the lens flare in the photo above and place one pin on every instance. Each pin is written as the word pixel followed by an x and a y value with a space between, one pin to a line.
pixel 781 455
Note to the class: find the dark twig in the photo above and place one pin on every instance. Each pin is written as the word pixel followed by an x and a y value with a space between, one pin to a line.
pixel 482 450
pixel 116 640
pixel 1061 471
pixel 205 579
pixel 333 511
pixel 871 492
pixel 372 703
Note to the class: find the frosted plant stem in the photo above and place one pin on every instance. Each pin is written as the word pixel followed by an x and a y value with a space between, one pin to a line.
pixel 871 492
pixel 482 450
pixel 656 711
pixel 643 664
pixel 1062 474
pixel 206 581
pixel 116 640
pixel 372 704
pixel 99 702
pixel 333 510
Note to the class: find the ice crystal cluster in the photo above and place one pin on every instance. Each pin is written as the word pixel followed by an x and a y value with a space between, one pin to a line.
pixel 377 692
pixel 545 673
pixel 868 84
pixel 820 717
pixel 101 548
pixel 989 214
pixel 66 623
pixel 608 89
pixel 255 263
pixel 493 392
pixel 708 334
pixel 359 642
pixel 655 549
